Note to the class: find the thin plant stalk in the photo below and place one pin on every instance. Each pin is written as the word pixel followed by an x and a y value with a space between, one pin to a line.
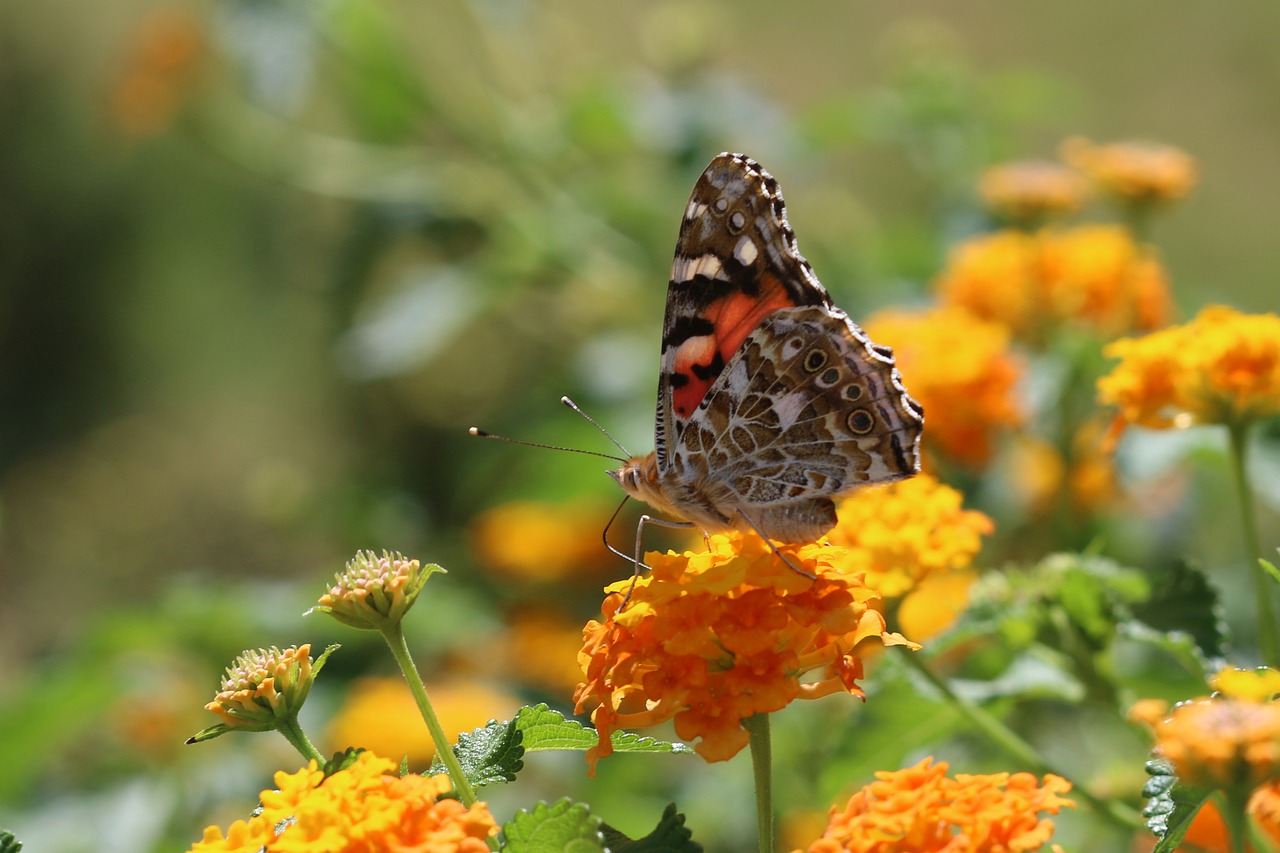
pixel 762 769
pixel 400 650
pixel 1021 751
pixel 1263 587
pixel 298 738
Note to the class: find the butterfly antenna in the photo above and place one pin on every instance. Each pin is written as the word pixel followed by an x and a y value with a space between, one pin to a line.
pixel 596 424
pixel 479 433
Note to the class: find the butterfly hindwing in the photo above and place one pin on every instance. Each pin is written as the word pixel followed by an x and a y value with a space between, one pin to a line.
pixel 806 410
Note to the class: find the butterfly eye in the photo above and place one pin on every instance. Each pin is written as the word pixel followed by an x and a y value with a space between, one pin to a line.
pixel 860 422
pixel 853 393
pixel 815 361
pixel 737 221
pixel 829 377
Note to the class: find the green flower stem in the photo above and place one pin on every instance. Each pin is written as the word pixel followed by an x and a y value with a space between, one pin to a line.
pixel 400 650
pixel 1263 587
pixel 762 768
pixel 1235 816
pixel 298 738
pixel 1021 751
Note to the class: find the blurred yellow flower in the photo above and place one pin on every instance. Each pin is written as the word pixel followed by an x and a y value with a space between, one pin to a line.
pixel 364 808
pixel 540 541
pixel 963 373
pixel 711 638
pixel 1030 191
pixel 1140 172
pixel 1096 276
pixel 922 810
pixel 379 714
pixel 901 533
pixel 538 648
pixel 1254 685
pixel 1222 368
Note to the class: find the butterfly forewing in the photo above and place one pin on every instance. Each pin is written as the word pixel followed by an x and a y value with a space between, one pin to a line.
pixel 771 401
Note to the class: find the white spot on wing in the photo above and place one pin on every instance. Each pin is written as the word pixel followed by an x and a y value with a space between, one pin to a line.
pixel 746 251
pixel 684 269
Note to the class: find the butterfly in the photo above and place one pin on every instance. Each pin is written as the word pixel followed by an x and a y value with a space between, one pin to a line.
pixel 771 401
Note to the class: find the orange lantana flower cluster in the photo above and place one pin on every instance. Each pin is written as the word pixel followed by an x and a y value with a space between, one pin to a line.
pixel 1095 276
pixel 1136 172
pixel 711 638
pixel 962 371
pixel 1221 368
pixel 922 810
pixel 364 808
pixel 1029 191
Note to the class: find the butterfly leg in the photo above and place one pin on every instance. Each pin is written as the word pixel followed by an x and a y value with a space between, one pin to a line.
pixel 647 519
pixel 774 548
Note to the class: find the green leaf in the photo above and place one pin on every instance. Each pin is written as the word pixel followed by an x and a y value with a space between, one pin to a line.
pixel 669 836
pixel 1171 805
pixel 9 844
pixel 494 753
pixel 1185 601
pixel 565 827
pixel 545 729
pixel 342 760
pixel 1271 570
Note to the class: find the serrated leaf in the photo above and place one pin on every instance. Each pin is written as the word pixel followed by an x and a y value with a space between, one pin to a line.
pixel 341 761
pixel 669 836
pixel 545 728
pixel 493 753
pixel 1172 805
pixel 563 827
pixel 9 844
pixel 1186 601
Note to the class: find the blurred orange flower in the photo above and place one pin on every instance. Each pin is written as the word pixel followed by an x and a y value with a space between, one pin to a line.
pixel 963 373
pixel 364 808
pixel 1096 276
pixel 1222 368
pixel 711 638
pixel 538 541
pixel 379 714
pixel 1141 172
pixel 921 810
pixel 163 60
pixel 1030 191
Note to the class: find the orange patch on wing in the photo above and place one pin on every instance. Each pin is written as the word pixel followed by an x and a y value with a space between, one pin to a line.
pixel 734 316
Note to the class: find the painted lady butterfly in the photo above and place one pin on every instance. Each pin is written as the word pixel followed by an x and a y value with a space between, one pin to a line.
pixel 771 401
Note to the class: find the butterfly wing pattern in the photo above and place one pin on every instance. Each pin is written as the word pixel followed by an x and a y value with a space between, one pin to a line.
pixel 771 401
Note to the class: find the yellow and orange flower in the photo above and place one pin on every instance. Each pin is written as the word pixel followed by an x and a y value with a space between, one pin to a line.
pixel 1221 368
pixel 1226 741
pixel 962 371
pixel 375 592
pixel 1095 276
pixel 364 808
pixel 1029 191
pixel 903 532
pixel 380 715
pixel 711 638
pixel 922 810
pixel 1138 172
pixel 264 687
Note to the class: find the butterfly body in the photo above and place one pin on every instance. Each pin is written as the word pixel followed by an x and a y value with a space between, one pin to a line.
pixel 771 401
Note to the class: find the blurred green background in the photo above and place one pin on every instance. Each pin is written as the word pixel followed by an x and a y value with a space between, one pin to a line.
pixel 263 262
